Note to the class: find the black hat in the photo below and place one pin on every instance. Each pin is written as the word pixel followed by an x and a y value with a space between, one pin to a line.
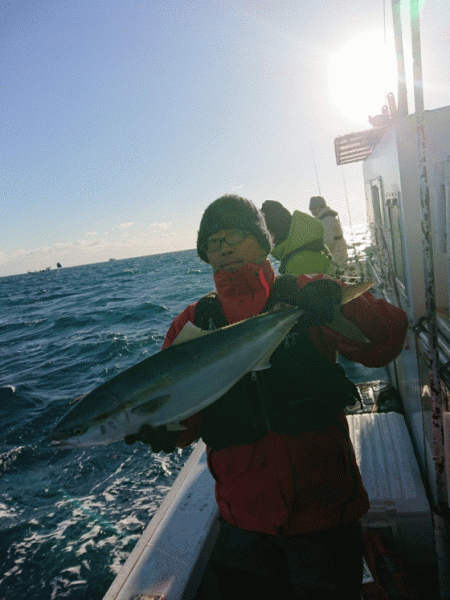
pixel 278 220
pixel 317 202
pixel 229 212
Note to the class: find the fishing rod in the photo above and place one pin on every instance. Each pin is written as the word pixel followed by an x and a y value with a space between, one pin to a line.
pixel 315 168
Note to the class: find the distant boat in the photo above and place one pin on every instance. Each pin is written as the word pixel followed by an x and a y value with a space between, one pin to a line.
pixel 58 266
pixel 39 271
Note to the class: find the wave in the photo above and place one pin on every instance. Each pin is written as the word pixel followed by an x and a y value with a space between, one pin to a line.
pixel 143 312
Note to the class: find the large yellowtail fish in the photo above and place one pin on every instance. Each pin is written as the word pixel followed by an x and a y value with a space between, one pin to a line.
pixel 177 382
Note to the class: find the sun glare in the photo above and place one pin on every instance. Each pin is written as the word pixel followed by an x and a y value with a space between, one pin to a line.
pixel 360 74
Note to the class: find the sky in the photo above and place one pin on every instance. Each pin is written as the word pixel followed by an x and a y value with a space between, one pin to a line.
pixel 121 121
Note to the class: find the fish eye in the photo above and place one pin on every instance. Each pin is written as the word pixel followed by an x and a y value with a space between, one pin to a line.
pixel 78 431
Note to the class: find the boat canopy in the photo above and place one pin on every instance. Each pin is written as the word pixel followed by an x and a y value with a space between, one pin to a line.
pixel 357 146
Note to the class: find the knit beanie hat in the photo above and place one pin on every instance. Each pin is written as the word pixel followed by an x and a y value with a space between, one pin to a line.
pixel 232 212
pixel 316 202
pixel 278 220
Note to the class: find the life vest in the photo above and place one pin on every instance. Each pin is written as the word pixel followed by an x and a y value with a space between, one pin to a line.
pixel 300 392
pixel 314 246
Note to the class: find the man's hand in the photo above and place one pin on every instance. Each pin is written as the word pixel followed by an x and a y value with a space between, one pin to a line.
pixel 318 299
pixel 159 438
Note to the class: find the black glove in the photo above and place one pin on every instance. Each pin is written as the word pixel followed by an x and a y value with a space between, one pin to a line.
pixel 318 299
pixel 159 438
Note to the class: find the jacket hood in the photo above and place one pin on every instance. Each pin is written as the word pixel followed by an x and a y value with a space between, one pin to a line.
pixel 326 212
pixel 304 229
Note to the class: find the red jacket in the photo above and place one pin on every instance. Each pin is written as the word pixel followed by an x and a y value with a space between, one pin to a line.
pixel 281 484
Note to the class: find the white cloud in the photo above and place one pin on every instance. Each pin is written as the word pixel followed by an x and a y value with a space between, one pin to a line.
pixel 161 238
pixel 161 226
pixel 123 226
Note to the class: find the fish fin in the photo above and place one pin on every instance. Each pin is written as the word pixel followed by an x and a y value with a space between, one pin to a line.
pixel 189 332
pixel 262 367
pixel 346 328
pixel 76 399
pixel 350 292
pixel 150 406
pixel 175 427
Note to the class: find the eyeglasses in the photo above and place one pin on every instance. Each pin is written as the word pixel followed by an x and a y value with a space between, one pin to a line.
pixel 232 238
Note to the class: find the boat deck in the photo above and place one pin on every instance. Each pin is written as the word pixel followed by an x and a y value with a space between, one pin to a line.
pixel 170 561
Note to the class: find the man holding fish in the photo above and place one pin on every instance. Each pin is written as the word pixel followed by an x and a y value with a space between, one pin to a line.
pixel 257 380
pixel 287 484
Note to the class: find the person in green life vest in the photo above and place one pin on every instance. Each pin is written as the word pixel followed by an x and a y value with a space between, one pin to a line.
pixel 298 241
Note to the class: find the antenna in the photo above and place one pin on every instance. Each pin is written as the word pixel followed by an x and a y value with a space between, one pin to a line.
pixel 402 97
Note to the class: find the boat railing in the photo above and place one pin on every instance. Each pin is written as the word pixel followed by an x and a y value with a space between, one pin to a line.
pixel 422 332
pixel 171 556
pixel 386 284
pixel 355 271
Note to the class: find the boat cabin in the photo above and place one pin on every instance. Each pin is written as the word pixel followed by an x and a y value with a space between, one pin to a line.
pixel 403 237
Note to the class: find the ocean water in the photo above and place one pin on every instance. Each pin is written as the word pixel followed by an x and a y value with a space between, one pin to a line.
pixel 69 518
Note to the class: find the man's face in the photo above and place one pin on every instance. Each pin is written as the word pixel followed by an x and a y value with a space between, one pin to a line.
pixel 231 257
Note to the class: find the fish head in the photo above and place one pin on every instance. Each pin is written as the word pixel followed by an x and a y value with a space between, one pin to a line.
pixel 77 435
pixel 82 427
pixel 89 423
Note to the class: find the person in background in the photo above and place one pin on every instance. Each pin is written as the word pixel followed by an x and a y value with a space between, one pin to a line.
pixel 298 241
pixel 287 483
pixel 333 236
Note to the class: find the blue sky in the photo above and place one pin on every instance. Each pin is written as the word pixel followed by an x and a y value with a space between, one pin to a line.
pixel 121 121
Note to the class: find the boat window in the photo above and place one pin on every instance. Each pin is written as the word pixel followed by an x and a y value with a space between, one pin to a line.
pixel 397 246
pixel 377 200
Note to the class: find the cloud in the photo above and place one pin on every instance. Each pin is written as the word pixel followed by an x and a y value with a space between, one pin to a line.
pixel 127 242
pixel 94 244
pixel 123 226
pixel 161 226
